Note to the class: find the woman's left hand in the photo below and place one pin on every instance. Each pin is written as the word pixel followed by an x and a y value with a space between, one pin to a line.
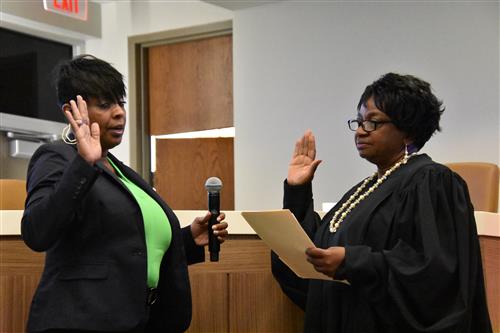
pixel 199 229
pixel 326 261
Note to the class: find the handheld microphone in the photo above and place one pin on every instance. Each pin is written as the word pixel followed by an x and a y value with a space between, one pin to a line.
pixel 213 185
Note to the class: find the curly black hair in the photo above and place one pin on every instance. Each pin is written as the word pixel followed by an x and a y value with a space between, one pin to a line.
pixel 410 104
pixel 89 77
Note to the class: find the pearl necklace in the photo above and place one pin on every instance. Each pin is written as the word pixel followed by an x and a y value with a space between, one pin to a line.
pixel 354 200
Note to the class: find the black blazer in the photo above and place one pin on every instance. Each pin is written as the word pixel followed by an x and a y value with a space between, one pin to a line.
pixel 92 230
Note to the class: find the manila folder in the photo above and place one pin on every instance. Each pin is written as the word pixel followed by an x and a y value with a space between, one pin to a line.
pixel 281 231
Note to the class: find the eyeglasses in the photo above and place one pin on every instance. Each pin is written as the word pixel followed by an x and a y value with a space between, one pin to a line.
pixel 367 125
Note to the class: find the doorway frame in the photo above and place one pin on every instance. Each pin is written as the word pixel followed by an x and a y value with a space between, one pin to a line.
pixel 140 143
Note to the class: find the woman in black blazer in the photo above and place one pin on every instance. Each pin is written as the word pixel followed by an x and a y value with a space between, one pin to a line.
pixel 116 257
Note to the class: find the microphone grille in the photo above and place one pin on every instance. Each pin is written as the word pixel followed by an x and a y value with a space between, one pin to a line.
pixel 213 184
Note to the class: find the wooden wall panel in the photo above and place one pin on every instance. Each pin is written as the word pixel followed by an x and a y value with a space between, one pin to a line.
pixel 12 193
pixel 183 166
pixel 240 253
pixel 210 302
pixel 257 304
pixel 236 294
pixel 191 86
pixel 17 258
pixel 16 293
pixel 490 251
pixel 20 270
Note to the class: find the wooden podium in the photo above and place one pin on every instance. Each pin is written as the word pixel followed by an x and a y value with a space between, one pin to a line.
pixel 236 294
pixel 239 293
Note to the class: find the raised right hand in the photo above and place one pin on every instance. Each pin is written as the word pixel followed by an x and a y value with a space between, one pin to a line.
pixel 87 135
pixel 303 163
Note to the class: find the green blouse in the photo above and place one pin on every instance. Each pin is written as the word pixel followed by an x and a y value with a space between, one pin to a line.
pixel 156 227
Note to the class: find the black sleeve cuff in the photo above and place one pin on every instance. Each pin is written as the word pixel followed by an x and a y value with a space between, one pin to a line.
pixel 341 272
pixel 79 178
pixel 194 253
pixel 296 195
pixel 345 269
pixel 361 265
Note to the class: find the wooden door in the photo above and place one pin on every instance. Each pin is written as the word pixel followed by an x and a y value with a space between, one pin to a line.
pixel 183 166
pixel 190 89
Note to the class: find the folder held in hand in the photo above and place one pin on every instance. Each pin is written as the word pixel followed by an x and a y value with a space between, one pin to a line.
pixel 281 231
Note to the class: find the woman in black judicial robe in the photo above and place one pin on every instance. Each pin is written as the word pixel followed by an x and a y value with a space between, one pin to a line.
pixel 405 238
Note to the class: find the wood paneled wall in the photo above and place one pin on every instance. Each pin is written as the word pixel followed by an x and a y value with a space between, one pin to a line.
pixel 191 85
pixel 490 252
pixel 12 193
pixel 249 299
pixel 236 294
pixel 20 270
pixel 183 166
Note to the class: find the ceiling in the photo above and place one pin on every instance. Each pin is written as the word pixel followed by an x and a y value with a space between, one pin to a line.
pixel 238 4
pixel 228 4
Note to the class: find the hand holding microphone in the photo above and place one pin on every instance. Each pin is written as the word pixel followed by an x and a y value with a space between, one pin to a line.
pixel 213 185
pixel 211 229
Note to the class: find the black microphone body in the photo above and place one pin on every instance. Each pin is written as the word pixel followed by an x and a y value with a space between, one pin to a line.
pixel 213 186
pixel 214 208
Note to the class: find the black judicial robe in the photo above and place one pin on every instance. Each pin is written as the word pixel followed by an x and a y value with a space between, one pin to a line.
pixel 412 258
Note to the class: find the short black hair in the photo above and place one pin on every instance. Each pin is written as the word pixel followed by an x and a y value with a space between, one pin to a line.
pixel 89 77
pixel 410 104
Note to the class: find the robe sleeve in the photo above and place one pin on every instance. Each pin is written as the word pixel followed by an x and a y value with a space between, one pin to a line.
pixel 299 200
pixel 429 278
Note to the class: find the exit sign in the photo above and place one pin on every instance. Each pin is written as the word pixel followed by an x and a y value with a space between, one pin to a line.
pixel 73 8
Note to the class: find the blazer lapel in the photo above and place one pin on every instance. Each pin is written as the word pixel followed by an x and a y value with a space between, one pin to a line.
pixel 114 178
pixel 136 179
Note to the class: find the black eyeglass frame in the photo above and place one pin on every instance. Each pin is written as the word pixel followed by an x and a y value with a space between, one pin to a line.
pixel 363 124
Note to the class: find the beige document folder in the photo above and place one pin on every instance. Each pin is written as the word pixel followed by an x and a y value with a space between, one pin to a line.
pixel 281 231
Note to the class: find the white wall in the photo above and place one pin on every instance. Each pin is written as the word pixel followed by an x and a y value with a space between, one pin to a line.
pixel 301 65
